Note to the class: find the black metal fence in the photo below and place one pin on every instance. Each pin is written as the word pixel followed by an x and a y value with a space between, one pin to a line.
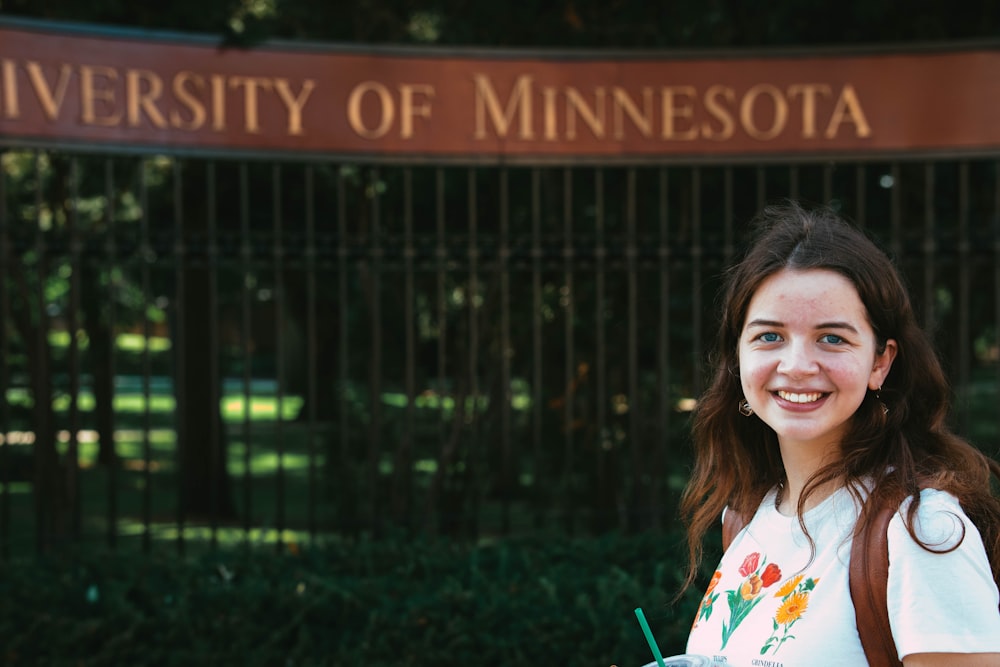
pixel 198 350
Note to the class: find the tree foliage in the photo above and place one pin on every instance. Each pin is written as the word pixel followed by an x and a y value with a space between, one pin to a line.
pixel 619 24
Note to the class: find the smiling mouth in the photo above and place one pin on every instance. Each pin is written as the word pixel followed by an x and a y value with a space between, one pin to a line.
pixel 799 398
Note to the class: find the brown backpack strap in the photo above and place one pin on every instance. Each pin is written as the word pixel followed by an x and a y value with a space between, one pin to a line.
pixel 869 579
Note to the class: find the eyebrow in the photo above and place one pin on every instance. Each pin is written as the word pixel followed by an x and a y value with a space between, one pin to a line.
pixel 823 325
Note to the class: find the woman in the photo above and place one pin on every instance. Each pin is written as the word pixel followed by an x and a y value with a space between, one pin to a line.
pixel 828 399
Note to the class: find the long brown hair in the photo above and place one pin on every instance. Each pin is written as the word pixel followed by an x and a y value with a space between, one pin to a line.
pixel 737 459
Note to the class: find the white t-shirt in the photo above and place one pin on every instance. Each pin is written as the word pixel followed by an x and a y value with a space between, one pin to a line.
pixel 769 605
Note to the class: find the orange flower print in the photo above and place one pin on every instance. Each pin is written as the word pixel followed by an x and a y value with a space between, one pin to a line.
pixel 751 587
pixel 714 582
pixel 794 595
pixel 707 602
pixel 757 576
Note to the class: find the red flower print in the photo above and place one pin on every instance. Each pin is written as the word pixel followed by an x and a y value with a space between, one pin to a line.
pixel 770 575
pixel 749 564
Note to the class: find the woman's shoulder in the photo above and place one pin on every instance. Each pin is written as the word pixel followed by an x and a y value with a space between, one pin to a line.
pixel 938 521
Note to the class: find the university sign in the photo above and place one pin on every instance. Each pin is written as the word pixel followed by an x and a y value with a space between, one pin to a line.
pixel 111 89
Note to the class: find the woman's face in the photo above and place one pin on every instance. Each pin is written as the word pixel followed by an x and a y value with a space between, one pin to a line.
pixel 808 355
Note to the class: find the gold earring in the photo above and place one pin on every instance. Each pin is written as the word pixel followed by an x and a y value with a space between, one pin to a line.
pixel 745 408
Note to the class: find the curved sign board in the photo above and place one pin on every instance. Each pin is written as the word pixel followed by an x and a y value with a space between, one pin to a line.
pixel 72 85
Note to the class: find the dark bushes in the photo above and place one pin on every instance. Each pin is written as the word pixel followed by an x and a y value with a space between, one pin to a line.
pixel 371 604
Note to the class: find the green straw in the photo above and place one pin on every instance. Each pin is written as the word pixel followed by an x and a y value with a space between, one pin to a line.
pixel 649 637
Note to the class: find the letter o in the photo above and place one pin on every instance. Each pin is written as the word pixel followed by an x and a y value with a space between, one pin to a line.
pixel 386 106
pixel 780 111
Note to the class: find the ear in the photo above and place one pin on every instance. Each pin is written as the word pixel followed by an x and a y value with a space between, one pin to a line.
pixel 883 363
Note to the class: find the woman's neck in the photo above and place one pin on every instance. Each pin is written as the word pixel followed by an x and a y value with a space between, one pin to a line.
pixel 801 464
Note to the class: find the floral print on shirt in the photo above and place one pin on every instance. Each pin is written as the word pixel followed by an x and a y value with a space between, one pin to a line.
pixel 794 595
pixel 708 601
pixel 757 575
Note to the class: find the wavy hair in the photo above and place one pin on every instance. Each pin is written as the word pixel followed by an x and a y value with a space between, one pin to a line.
pixel 737 459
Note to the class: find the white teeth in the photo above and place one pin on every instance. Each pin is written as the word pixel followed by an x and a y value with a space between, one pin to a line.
pixel 799 398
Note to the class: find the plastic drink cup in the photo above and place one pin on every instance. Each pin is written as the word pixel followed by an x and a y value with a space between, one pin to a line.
pixel 683 660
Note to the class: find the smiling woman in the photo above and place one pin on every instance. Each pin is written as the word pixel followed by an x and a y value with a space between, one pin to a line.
pixel 828 404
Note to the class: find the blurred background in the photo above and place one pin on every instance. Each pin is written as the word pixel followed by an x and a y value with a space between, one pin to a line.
pixel 323 412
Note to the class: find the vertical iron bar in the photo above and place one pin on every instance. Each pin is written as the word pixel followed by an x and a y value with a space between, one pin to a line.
pixel 73 353
pixel 964 270
pixel 727 194
pixel 216 434
pixel 761 188
pixel 44 432
pixel 506 453
pixel 180 350
pixel 404 463
pixel 111 253
pixel 896 214
pixel 279 346
pixel 696 269
pixel 569 378
pixel 375 376
pixel 6 480
pixel 343 373
pixel 312 347
pixel 433 513
pixel 930 246
pixel 475 446
pixel 631 267
pixel 146 260
pixel 861 197
pixel 604 441
pixel 827 183
pixel 540 495
pixel 996 280
pixel 248 282
pixel 665 408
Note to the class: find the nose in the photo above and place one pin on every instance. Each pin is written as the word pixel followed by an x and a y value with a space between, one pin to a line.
pixel 798 360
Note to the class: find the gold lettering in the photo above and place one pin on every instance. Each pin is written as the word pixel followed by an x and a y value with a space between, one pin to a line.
pixel 550 131
pixel 486 101
pixel 387 109
pixel 218 103
pixel 50 100
pixel 808 91
pixel 747 112
pixel 407 109
pixel 671 111
pixel 188 99
pixel 593 119
pixel 294 104
pixel 139 100
pixel 251 121
pixel 643 120
pixel 848 109
pixel 91 94
pixel 719 112
pixel 10 105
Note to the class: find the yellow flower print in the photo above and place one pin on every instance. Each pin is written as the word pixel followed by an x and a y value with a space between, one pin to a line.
pixel 792 608
pixel 788 586
pixel 794 596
